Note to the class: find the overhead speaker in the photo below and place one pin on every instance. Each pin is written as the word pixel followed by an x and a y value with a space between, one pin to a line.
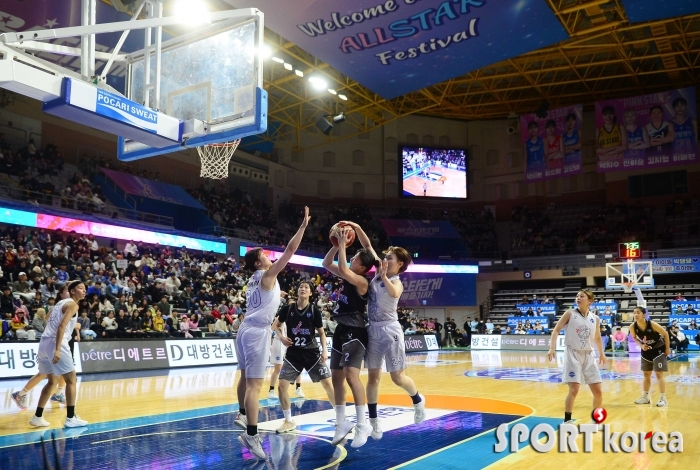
pixel 325 126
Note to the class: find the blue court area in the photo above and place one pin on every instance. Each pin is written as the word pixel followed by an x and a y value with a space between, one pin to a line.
pixel 207 438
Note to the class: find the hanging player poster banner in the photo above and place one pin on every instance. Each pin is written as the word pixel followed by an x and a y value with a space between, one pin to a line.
pixel 649 131
pixel 552 144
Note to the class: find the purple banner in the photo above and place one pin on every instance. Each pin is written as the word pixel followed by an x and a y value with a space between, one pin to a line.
pixel 552 145
pixel 150 189
pixel 438 290
pixel 397 46
pixel 649 131
pixel 419 228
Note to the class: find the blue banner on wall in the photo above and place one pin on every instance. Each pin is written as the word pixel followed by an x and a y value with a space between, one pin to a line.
pixel 681 307
pixel 537 309
pixel 676 265
pixel 683 320
pixel 603 308
pixel 639 11
pixel 394 47
pixel 433 289
pixel 513 321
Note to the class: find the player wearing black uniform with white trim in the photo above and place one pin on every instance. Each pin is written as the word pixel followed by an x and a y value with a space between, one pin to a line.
pixel 350 337
pixel 652 339
pixel 303 321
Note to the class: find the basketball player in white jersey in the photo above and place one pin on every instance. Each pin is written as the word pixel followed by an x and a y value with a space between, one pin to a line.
pixel 277 354
pixel 386 339
pixel 582 330
pixel 253 340
pixel 20 398
pixel 54 358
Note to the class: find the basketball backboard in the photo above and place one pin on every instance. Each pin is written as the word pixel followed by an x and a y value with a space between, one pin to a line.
pixel 204 87
pixel 210 79
pixel 629 275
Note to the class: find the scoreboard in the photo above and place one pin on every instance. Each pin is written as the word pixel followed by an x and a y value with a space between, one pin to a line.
pixel 629 250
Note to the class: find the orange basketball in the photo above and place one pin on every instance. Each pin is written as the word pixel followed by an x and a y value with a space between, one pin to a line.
pixel 333 237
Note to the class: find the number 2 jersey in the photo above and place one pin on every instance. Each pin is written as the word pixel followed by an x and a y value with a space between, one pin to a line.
pixel 301 325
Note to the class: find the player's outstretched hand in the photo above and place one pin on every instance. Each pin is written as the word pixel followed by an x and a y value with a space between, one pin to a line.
pixel 305 222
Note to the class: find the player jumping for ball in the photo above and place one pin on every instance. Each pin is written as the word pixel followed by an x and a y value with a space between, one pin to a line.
pixel 386 339
pixel 253 340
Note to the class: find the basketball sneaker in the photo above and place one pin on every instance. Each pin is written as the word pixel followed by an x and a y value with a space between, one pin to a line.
pixel 419 411
pixel 362 432
pixel 571 421
pixel 75 422
pixel 377 432
pixel 253 444
pixel 287 426
pixel 643 400
pixel 300 393
pixel 241 421
pixel 662 401
pixel 38 422
pixel 341 431
pixel 21 400
pixel 59 398
pixel 272 395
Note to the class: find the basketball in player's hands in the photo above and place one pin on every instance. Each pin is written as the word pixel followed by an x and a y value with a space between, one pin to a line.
pixel 336 233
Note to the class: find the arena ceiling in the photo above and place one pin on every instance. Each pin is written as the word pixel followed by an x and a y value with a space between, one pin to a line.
pixel 605 56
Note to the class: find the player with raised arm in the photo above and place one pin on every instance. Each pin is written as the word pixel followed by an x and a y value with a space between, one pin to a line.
pixel 253 340
pixel 652 339
pixel 303 320
pixel 350 337
pixel 386 338
pixel 582 330
pixel 54 358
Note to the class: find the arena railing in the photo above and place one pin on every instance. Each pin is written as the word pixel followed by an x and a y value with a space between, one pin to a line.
pixel 56 201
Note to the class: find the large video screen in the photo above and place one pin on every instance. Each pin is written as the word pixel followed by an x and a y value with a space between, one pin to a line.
pixel 433 173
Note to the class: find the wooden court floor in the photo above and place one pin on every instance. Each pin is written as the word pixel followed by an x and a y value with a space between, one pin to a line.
pixel 184 419
pixel 455 184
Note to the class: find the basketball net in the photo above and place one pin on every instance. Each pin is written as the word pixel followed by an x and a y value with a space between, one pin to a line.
pixel 628 286
pixel 215 159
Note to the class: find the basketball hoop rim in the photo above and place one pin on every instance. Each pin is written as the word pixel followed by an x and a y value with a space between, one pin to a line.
pixel 223 144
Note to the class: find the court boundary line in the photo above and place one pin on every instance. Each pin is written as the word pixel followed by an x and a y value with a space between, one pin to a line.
pixel 235 405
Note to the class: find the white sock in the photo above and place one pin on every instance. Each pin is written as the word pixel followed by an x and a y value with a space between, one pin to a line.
pixel 287 414
pixel 339 413
pixel 60 390
pixel 663 395
pixel 360 413
pixel 645 394
pixel 23 392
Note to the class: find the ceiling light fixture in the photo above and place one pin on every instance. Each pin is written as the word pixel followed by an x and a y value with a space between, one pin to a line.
pixel 318 83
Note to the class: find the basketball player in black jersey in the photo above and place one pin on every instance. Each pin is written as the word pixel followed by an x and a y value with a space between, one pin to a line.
pixel 655 345
pixel 350 337
pixel 303 321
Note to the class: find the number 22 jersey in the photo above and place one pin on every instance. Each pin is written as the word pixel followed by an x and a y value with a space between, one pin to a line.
pixel 301 325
